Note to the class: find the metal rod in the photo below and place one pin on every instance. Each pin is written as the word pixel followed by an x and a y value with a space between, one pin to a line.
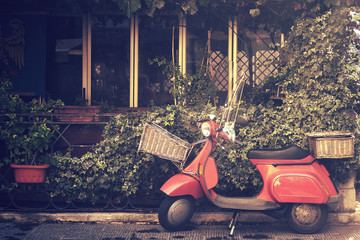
pixel 184 46
pixel 234 55
pixel 84 56
pixel 88 79
pixel 132 61
pixel 136 60
pixel 230 83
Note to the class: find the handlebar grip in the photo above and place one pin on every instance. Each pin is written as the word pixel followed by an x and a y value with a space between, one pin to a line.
pixel 237 142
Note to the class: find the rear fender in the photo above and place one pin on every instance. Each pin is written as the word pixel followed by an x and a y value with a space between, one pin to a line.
pixel 182 184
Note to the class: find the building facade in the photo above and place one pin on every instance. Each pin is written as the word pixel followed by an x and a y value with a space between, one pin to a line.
pixel 102 58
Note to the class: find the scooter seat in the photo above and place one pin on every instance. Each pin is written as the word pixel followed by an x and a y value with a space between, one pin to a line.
pixel 287 153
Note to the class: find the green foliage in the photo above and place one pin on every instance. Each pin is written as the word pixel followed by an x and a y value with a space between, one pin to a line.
pixel 25 142
pixel 115 167
pixel 24 134
pixel 269 9
pixel 321 80
pixel 127 7
pixel 188 89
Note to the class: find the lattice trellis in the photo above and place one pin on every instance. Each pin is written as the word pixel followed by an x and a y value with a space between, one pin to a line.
pixel 155 87
pixel 167 85
pixel 263 65
pixel 220 66
pixel 243 65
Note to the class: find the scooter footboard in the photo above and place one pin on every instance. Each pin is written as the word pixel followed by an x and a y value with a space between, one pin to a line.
pixel 182 184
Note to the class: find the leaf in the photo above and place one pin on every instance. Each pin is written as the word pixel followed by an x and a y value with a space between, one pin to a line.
pixel 189 7
pixel 255 12
pixel 152 5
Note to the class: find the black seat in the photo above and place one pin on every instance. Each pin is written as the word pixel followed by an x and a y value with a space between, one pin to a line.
pixel 286 153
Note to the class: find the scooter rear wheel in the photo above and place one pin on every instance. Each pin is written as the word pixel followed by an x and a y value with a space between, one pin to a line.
pixel 306 218
pixel 175 212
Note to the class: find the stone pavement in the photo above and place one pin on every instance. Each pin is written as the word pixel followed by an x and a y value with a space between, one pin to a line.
pixel 107 231
pixel 351 218
pixel 144 225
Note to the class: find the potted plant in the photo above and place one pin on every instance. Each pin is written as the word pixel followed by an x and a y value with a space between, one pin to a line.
pixel 25 143
pixel 26 134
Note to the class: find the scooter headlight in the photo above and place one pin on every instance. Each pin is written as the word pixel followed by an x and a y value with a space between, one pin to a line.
pixel 206 129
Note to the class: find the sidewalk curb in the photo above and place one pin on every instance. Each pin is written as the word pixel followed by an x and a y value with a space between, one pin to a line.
pixel 152 218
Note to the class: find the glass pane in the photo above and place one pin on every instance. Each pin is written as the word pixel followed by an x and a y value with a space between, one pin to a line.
pixel 110 61
pixel 64 75
pixel 155 41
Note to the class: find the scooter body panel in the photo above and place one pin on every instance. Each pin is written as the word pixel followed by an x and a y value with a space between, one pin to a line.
pixel 210 173
pixel 299 188
pixel 200 158
pixel 309 183
pixel 181 185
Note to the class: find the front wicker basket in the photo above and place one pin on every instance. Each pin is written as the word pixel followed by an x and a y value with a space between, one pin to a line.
pixel 331 144
pixel 158 141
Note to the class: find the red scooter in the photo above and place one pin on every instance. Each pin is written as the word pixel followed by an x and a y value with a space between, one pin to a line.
pixel 296 187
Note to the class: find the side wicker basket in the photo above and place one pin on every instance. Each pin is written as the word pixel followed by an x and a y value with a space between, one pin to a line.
pixel 158 141
pixel 331 144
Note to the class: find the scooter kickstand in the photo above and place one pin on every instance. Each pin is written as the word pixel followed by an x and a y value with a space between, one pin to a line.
pixel 233 223
pixel 232 220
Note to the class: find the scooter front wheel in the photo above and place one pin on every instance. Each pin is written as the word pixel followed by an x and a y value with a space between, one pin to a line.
pixel 175 212
pixel 306 218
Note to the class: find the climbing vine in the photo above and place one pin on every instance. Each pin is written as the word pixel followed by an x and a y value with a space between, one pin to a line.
pixel 321 81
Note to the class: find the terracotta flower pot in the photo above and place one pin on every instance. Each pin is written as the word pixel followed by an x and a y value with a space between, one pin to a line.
pixel 30 173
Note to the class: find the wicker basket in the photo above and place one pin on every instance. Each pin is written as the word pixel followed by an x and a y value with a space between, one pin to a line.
pixel 331 144
pixel 158 141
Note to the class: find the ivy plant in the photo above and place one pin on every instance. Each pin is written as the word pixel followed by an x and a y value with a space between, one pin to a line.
pixel 114 167
pixel 321 80
pixel 188 89
pixel 321 95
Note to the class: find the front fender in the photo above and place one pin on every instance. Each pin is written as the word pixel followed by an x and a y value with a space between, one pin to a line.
pixel 182 184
